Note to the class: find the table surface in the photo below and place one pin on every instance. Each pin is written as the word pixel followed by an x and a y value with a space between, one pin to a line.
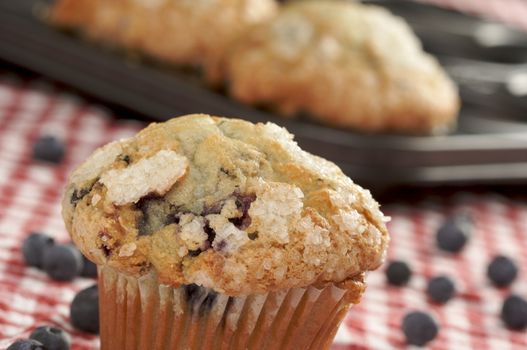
pixel 30 195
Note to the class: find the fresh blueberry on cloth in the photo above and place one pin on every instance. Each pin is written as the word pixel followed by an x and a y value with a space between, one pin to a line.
pixel 26 344
pixel 514 312
pixel 89 269
pixel 52 338
pixel 84 310
pixel 33 248
pixel 398 273
pixel 419 328
pixel 502 271
pixel 49 149
pixel 441 289
pixel 62 262
pixel 454 233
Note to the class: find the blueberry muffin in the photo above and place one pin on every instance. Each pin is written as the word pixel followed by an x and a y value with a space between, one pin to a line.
pixel 183 32
pixel 345 64
pixel 217 233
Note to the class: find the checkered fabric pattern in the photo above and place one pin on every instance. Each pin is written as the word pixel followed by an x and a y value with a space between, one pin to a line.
pixel 30 195
pixel 470 320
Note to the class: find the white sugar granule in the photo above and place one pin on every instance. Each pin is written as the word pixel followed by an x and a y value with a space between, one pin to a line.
pixel 155 174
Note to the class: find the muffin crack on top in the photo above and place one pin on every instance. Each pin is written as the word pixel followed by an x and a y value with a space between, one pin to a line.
pixel 224 204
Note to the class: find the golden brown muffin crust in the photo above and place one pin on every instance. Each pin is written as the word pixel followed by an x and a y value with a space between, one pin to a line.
pixel 225 204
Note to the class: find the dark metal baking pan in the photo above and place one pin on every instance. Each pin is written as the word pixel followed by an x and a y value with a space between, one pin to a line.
pixel 489 147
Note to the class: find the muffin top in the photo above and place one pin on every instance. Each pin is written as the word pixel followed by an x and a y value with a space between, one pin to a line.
pixel 346 64
pixel 225 204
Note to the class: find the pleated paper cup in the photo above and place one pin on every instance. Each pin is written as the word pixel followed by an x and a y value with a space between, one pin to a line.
pixel 141 314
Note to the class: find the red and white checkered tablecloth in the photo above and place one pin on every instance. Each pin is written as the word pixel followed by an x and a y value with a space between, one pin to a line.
pixel 30 195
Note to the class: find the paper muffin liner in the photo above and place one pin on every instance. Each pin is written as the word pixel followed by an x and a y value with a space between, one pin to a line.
pixel 141 314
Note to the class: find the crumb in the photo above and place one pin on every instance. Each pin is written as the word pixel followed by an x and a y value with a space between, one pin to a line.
pixel 127 250
pixel 95 199
pixel 192 232
pixel 228 237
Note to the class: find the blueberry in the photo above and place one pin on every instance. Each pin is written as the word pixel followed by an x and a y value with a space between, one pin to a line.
pixel 33 248
pixel 89 269
pixel 398 273
pixel 78 195
pixel 84 310
pixel 454 233
pixel 502 271
pixel 49 149
pixel 243 203
pixel 441 289
pixel 194 293
pixel 52 338
pixel 62 262
pixel 26 344
pixel 514 312
pixel 208 303
pixel 419 328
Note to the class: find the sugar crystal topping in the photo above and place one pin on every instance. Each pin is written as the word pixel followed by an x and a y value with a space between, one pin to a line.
pixel 351 222
pixel 98 161
pixel 228 237
pixel 277 206
pixel 155 174
pixel 192 232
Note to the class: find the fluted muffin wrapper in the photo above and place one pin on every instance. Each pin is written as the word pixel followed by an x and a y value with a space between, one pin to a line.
pixel 141 314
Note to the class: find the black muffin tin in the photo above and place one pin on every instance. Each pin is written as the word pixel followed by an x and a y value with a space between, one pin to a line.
pixel 487 59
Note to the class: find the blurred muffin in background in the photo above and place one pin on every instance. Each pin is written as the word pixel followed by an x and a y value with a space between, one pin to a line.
pixel 345 64
pixel 183 32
